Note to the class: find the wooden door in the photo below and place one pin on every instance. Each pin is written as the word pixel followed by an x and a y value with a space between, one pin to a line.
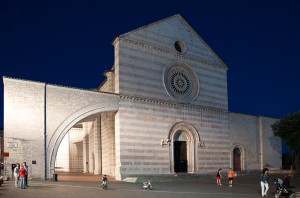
pixel 180 156
pixel 237 159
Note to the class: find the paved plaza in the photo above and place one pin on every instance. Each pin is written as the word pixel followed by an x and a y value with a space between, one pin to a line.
pixel 187 187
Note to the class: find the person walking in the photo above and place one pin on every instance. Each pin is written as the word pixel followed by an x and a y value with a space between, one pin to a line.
pixel 264 182
pixel 231 174
pixel 219 176
pixel 26 173
pixel 22 175
pixel 17 175
pixel 104 182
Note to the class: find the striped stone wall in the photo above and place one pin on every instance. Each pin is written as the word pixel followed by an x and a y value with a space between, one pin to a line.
pixel 147 112
pixel 141 74
pixel 144 55
pixel 143 123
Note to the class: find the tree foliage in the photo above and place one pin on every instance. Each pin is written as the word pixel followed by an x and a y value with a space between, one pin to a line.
pixel 288 128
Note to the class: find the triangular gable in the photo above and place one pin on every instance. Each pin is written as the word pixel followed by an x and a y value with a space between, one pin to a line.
pixel 164 33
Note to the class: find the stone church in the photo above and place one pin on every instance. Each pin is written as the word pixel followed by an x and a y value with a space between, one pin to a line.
pixel 162 109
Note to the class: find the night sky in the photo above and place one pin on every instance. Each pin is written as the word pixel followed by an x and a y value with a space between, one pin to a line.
pixel 70 43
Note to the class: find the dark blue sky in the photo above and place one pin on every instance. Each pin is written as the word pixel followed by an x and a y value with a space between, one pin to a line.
pixel 69 43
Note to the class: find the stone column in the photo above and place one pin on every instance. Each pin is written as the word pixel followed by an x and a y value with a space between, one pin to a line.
pixel 85 147
pixel 91 161
pixel 97 145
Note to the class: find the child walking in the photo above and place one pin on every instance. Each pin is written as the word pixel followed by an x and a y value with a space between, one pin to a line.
pixel 219 176
pixel 231 174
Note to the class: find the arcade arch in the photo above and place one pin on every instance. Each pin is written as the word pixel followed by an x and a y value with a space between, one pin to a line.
pixel 79 116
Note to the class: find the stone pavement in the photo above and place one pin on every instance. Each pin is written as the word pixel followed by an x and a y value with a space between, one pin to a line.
pixel 72 186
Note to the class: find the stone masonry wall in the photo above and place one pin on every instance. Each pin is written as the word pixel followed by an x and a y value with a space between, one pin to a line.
pixel 245 132
pixel 108 85
pixel 108 143
pixel 70 153
pixel 272 147
pixel 144 123
pixel 144 55
pixel 141 74
pixel 24 125
pixel 24 118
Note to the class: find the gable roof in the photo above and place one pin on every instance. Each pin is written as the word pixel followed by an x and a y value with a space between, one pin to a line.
pixel 169 30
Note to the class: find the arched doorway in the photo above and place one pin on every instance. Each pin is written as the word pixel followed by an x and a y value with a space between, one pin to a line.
pixel 183 148
pixel 236 156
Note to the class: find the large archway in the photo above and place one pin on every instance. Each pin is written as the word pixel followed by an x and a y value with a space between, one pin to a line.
pixel 66 125
pixel 183 148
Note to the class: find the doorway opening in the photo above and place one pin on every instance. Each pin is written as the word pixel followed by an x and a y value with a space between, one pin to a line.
pixel 183 149
pixel 180 156
pixel 237 159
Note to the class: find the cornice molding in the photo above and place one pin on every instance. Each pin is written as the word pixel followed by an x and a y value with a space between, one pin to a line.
pixel 5 78
pixel 126 97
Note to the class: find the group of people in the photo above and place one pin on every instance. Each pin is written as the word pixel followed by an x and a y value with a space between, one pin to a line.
pixel 21 175
pixel 264 180
pixel 231 174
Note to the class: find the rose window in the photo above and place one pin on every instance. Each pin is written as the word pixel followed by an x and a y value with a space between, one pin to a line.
pixel 181 83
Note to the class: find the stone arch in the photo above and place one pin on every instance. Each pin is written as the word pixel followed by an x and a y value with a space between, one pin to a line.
pixel 237 157
pixel 192 137
pixel 66 125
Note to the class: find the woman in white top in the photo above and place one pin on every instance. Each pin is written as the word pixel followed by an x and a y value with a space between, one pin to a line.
pixel 17 174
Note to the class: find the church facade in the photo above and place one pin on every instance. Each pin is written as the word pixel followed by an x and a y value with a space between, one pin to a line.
pixel 162 109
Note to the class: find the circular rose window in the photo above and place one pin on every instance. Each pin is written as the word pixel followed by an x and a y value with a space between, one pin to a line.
pixel 181 83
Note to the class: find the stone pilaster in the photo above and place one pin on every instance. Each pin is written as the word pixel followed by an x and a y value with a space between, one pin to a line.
pixel 97 146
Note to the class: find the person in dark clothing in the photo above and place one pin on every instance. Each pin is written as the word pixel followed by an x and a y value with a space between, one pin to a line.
pixel 26 174
pixel 286 182
pixel 264 182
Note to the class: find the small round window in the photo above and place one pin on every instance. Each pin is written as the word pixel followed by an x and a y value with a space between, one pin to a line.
pixel 180 47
